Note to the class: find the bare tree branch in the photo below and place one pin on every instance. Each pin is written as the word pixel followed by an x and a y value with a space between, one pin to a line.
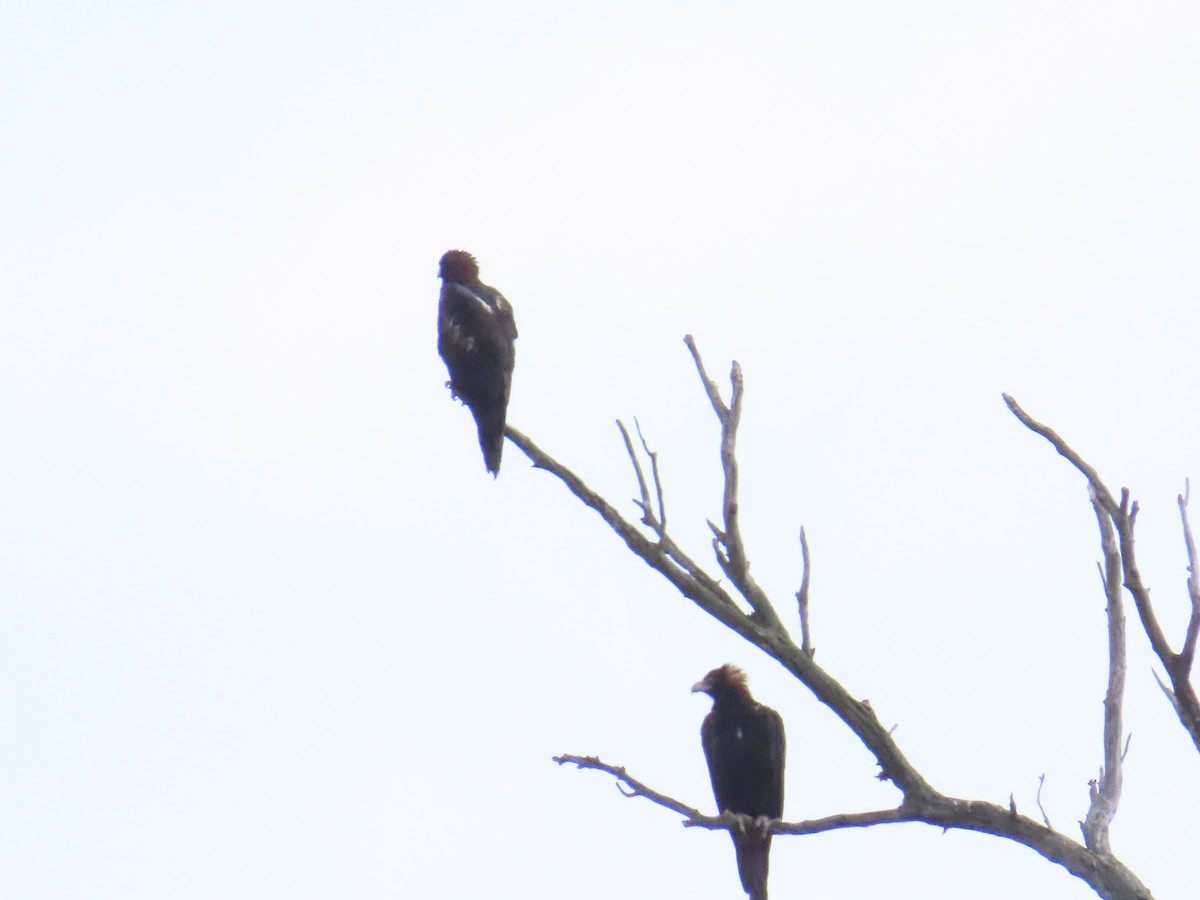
pixel 693 818
pixel 802 598
pixel 636 788
pixel 1105 792
pixel 1102 492
pixel 1188 654
pixel 691 581
pixel 658 490
pixel 1167 692
pixel 1124 516
pixel 920 801
pixel 731 553
pixel 1042 809
pixel 665 557
pixel 648 517
pixel 1110 878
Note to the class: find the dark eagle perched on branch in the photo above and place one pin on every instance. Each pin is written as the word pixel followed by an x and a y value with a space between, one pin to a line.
pixel 745 748
pixel 476 331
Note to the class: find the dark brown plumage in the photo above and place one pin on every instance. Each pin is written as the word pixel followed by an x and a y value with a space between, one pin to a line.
pixel 745 747
pixel 476 331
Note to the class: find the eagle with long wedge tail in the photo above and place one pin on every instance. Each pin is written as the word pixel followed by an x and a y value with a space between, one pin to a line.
pixel 745 747
pixel 476 331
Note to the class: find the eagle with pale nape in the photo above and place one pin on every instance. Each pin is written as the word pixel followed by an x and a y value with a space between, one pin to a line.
pixel 745 747
pixel 476 331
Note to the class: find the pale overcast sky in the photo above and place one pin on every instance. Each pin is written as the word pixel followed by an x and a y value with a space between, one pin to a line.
pixel 270 630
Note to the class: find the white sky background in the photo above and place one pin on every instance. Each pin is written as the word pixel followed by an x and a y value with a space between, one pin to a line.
pixel 270 630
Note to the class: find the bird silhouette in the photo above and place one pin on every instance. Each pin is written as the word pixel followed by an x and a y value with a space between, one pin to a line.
pixel 476 331
pixel 745 747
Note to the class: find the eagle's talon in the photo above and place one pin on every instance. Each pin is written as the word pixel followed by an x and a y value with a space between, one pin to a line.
pixel 763 823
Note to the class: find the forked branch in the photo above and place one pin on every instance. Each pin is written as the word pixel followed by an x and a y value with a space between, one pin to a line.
pixel 1123 514
pixel 920 802
pixel 727 542
pixel 762 628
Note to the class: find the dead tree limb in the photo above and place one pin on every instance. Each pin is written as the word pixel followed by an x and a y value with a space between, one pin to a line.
pixel 920 802
pixel 727 544
pixel 802 597
pixel 1188 654
pixel 1107 876
pixel 1181 692
pixel 1105 793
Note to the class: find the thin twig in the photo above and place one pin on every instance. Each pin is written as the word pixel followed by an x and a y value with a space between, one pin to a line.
pixel 638 789
pixel 1188 654
pixel 802 597
pixel 1170 694
pixel 644 503
pixel 662 508
pixel 727 542
pixel 1042 809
